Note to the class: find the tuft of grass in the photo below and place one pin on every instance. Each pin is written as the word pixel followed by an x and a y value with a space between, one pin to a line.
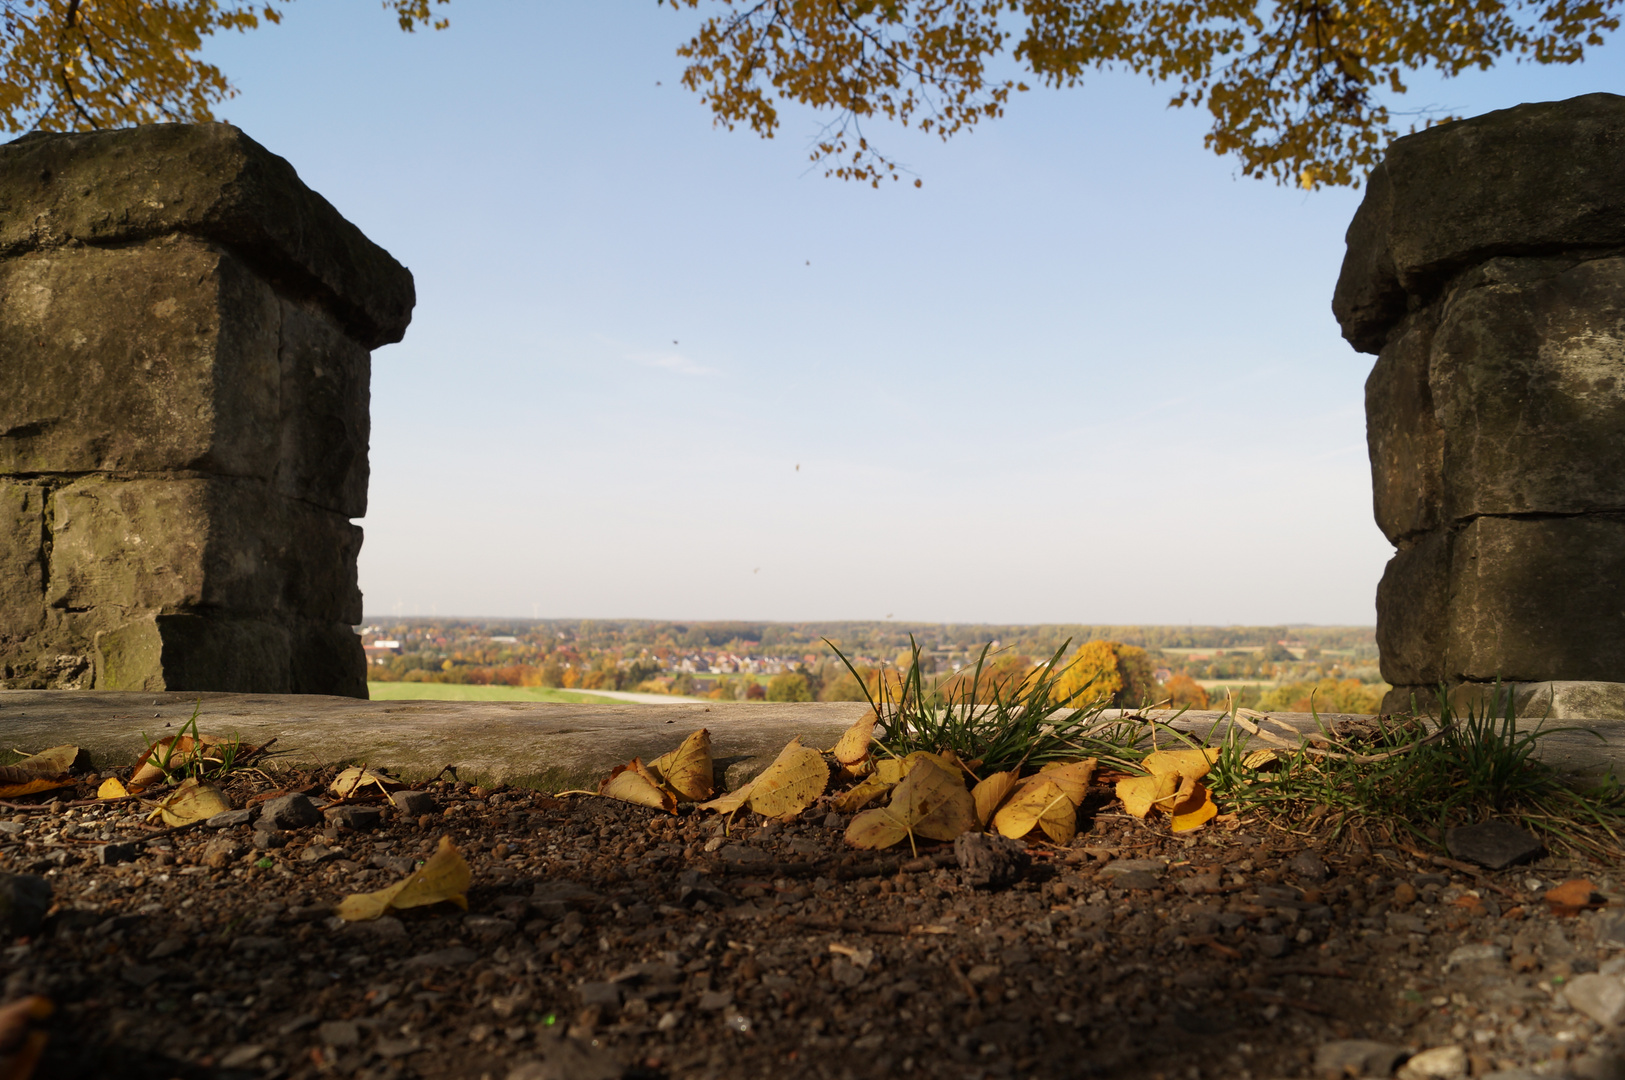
pixel 993 728
pixel 1422 775
pixel 211 762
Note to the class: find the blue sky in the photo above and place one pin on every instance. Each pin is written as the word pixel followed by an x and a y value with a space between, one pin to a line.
pixel 1086 373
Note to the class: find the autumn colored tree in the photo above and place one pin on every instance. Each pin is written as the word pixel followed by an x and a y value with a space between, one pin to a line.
pixel 77 64
pixel 1106 670
pixel 1183 692
pixel 1295 89
pixel 789 686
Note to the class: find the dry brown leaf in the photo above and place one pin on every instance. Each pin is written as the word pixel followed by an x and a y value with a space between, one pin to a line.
pixel 179 752
pixel 989 795
pixel 22 1039
pixel 1042 803
pixel 788 786
pixel 444 877
pixel 190 801
pixel 687 770
pixel 1260 758
pixel 862 794
pixel 53 762
pixel 1573 897
pixel 15 783
pixel 634 783
pixel 876 829
pixel 1072 776
pixel 853 745
pixel 352 782
pixel 111 789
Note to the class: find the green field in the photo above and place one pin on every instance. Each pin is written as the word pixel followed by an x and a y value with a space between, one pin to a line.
pixel 429 691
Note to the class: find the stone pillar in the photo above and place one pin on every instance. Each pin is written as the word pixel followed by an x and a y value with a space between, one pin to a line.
pixel 1486 270
pixel 184 361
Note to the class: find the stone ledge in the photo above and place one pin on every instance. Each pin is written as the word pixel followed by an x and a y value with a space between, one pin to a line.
pixel 546 746
pixel 209 180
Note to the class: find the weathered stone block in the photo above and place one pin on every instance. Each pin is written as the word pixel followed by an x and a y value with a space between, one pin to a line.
pixel 184 652
pixel 148 359
pixel 1405 441
pixel 1413 612
pixel 206 180
pixel 326 380
pixel 169 545
pixel 184 408
pixel 1529 180
pixel 1528 383
pixel 22 559
pixel 1537 599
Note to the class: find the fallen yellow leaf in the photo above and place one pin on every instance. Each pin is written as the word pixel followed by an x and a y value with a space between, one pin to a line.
pixel 1039 802
pixel 1192 763
pixel 1072 776
pixel 350 782
pixel 190 801
pixel 111 789
pixel 930 801
pixel 1259 758
pixel 989 795
pixel 687 770
pixel 788 786
pixel 853 745
pixel 634 783
pixel 445 876
pixel 1140 793
pixel 731 801
pixel 1194 811
pixel 862 794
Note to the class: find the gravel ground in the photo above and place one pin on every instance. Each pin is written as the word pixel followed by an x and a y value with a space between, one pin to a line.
pixel 607 940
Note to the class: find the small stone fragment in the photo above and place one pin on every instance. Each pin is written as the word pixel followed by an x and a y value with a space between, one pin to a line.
pixel 1404 894
pixel 24 900
pixel 452 957
pixel 359 818
pixel 1601 997
pixel 113 854
pixel 1271 946
pixel 1481 953
pixel 1438 1063
pixel 268 839
pixel 1495 844
pixel 1357 1057
pixel 288 812
pixel 487 928
pixel 571 1059
pixel 316 853
pixel 990 860
pixel 414 803
pixel 339 1033
pixel 142 976
pixel 221 852
pixel 605 995
pixel 230 819
pixel 242 1057
pixel 1309 866
pixel 715 1000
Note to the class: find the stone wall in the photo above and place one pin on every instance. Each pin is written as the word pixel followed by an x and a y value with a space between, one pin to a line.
pixel 185 331
pixel 1486 270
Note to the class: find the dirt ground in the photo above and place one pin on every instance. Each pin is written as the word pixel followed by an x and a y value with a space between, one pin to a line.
pixel 605 940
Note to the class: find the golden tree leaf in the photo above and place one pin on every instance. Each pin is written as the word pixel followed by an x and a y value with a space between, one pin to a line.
pixel 687 770
pixel 111 789
pixel 190 801
pixel 890 770
pixel 1191 763
pixel 1193 811
pixel 933 801
pixel 861 794
pixel 444 877
pixel 853 745
pixel 351 781
pixel 733 800
pixel 875 829
pixel 15 786
pixel 634 783
pixel 989 795
pixel 788 786
pixel 1039 802
pixel 1140 793
pixel 1072 776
